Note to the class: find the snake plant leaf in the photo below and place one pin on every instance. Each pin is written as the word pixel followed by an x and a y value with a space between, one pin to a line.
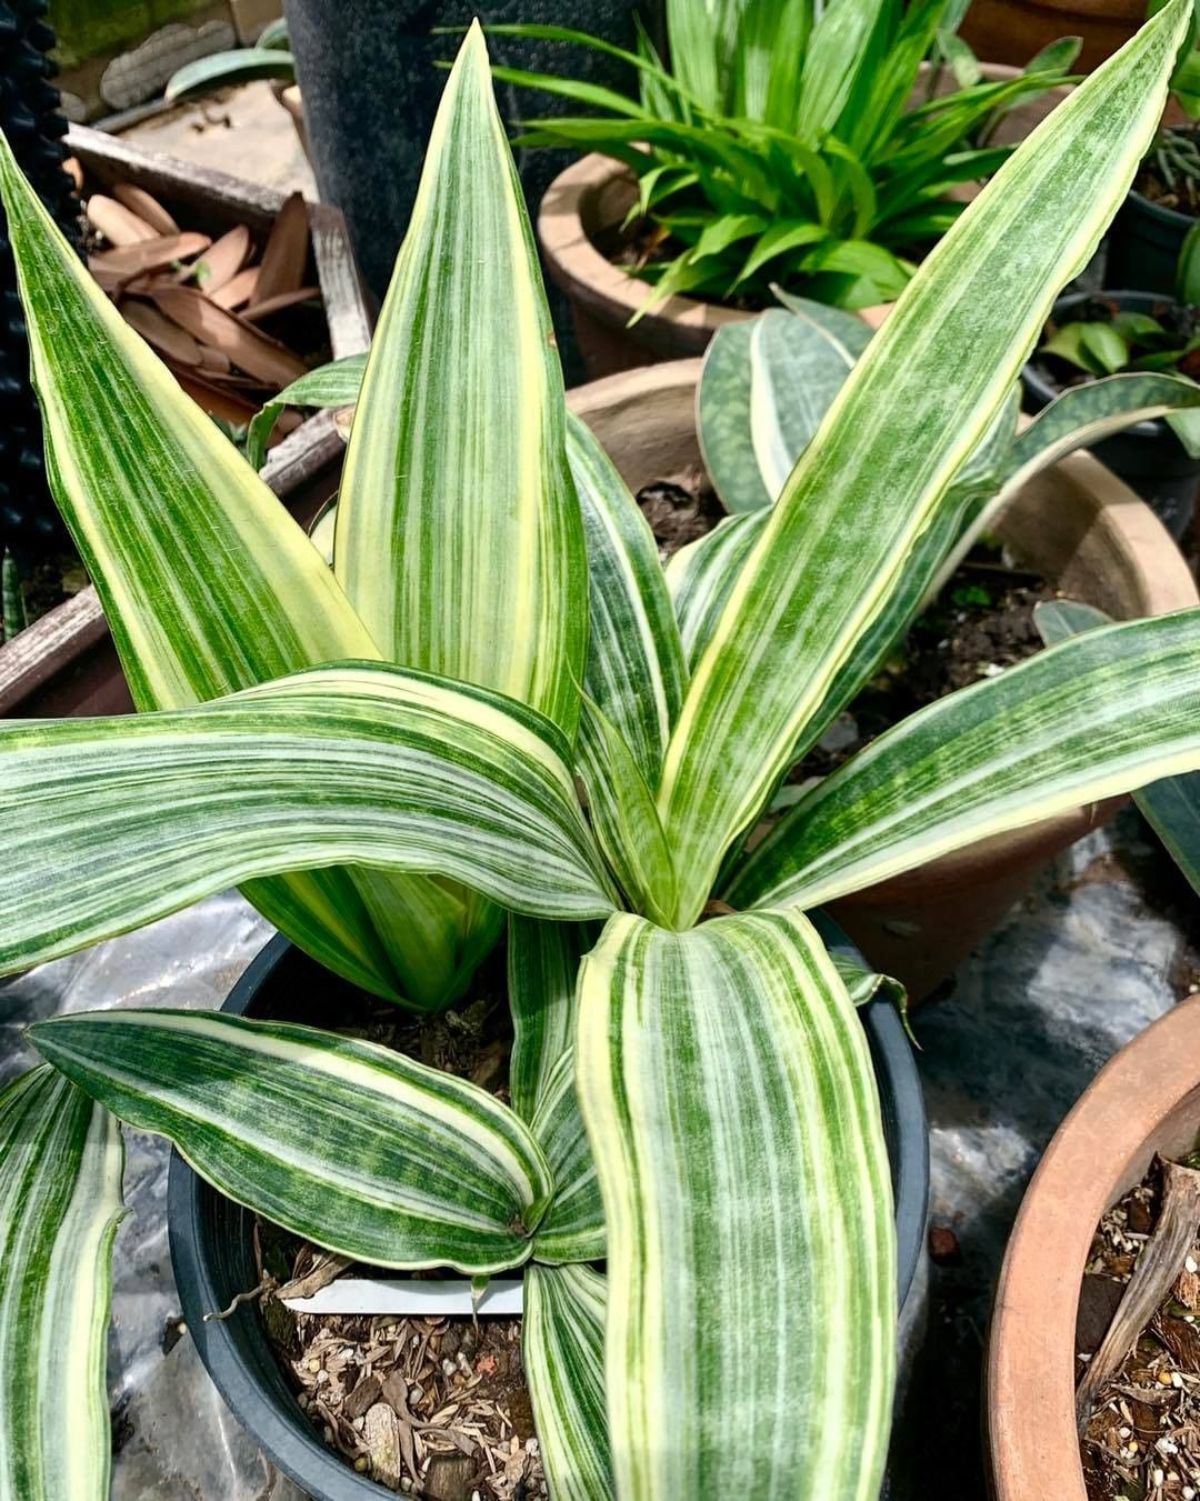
pixel 635 669
pixel 729 1098
pixel 115 822
pixel 459 538
pixel 1079 418
pixel 60 1201
pixel 225 70
pixel 1171 807
pixel 562 1349
pixel 334 385
pixel 917 404
pixel 349 1144
pixel 543 967
pixel 572 1229
pixel 701 577
pixel 208 586
pixel 723 421
pixel 1098 715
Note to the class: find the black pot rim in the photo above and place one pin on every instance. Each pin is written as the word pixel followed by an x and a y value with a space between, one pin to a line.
pixel 1173 216
pixel 1042 391
pixel 297 1450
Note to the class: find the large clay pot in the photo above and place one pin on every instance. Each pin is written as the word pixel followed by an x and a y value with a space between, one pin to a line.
pixel 1012 31
pixel 584 208
pixel 1145 1102
pixel 1076 525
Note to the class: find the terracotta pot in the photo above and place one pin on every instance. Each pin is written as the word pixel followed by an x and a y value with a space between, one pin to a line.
pixel 1012 31
pixel 1146 1101
pixel 1076 525
pixel 589 201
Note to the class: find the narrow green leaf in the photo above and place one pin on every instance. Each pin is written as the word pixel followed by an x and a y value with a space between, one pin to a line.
pixel 723 421
pixel 919 401
pixel 1099 715
pixel 348 1144
pixel 1171 807
pixel 60 1201
pixel 334 385
pixel 701 577
pixel 459 538
pixel 635 669
pixel 572 1229
pixel 543 966
pixel 118 821
pixel 730 1101
pixel 562 1348
pixel 783 236
pixel 225 70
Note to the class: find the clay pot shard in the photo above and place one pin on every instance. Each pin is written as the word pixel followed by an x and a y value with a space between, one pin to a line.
pixel 247 347
pixel 236 292
pixel 146 207
pixel 144 256
pixel 116 223
pixel 286 254
pixel 222 261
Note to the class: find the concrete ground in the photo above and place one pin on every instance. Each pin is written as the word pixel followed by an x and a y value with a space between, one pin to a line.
pixel 244 131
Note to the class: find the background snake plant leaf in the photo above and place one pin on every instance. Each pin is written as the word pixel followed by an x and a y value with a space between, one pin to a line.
pixel 60 1201
pixel 562 1348
pixel 1171 807
pixel 729 1099
pixel 351 1145
pixel 573 1227
pixel 334 385
pixel 635 669
pixel 209 586
pixel 1098 715
pixel 723 421
pixel 917 404
pixel 459 538
pixel 115 822
pixel 543 967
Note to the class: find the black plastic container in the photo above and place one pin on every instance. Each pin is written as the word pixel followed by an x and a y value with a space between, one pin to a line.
pixel 1147 456
pixel 1143 246
pixel 213 1257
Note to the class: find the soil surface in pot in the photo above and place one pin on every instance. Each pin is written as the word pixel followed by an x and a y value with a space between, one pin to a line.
pixel 432 1408
pixel 1142 1441
pixel 981 623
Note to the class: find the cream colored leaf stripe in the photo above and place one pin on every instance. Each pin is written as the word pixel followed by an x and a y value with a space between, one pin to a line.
pixel 60 1201
pixel 730 1101
pixel 349 1144
pixel 918 402
pixel 573 1228
pixel 1099 715
pixel 114 822
pixel 562 1346
pixel 459 538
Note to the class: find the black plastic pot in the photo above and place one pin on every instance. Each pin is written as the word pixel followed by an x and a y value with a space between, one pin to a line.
pixel 1147 456
pixel 213 1257
pixel 1144 244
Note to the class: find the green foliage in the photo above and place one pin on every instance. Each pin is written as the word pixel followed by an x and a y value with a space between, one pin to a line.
pixel 780 144
pixel 540 724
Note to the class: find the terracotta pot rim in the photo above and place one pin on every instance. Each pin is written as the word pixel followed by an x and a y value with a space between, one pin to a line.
pixel 1030 1409
pixel 1137 533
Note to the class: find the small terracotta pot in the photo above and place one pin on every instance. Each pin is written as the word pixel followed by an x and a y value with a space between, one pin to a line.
pixel 1076 525
pixel 1146 1101
pixel 589 201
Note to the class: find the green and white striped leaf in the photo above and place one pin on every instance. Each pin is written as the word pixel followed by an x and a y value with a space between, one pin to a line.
pixel 208 586
pixel 729 1098
pixel 543 967
pixel 635 669
pixel 1102 714
pixel 60 1201
pixel 701 577
pixel 723 421
pixel 114 822
pixel 562 1349
pixel 346 1143
pixel 917 404
pixel 334 385
pixel 1079 418
pixel 1171 807
pixel 459 539
pixel 572 1229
